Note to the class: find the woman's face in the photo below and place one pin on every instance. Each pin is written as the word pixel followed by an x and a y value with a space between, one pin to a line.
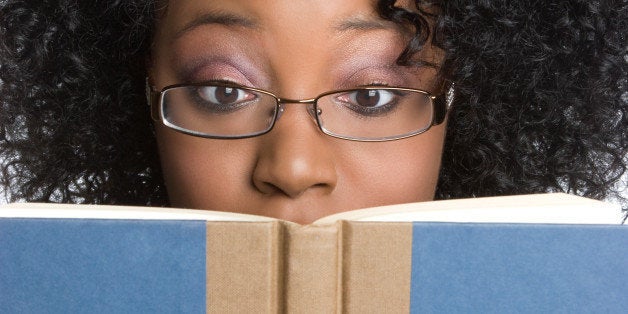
pixel 296 49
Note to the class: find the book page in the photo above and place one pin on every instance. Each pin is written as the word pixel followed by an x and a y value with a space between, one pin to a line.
pixel 46 210
pixel 536 208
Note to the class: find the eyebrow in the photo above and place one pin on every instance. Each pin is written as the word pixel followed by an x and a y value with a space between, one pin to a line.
pixel 230 19
pixel 220 18
pixel 362 24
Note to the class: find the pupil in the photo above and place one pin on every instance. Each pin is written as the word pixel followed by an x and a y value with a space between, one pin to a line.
pixel 367 98
pixel 226 95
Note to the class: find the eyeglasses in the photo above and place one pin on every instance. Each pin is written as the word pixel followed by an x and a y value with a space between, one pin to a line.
pixel 227 111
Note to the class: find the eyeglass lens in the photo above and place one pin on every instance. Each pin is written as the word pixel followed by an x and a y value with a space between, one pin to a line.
pixel 375 113
pixel 218 110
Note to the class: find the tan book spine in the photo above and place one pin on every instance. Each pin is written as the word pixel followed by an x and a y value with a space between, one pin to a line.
pixel 376 267
pixel 244 267
pixel 348 267
pixel 311 271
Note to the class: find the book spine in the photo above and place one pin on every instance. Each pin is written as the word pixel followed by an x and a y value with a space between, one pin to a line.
pixel 311 271
pixel 348 267
pixel 244 267
pixel 376 266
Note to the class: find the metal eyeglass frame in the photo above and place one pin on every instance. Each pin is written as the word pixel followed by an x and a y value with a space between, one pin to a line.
pixel 441 105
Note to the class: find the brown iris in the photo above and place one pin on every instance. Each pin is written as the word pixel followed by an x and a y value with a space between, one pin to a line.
pixel 226 95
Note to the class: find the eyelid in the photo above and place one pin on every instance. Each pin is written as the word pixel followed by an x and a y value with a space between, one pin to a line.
pixel 379 76
pixel 222 82
pixel 218 69
pixel 388 74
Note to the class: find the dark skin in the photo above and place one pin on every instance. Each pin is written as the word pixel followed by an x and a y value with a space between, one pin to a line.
pixel 295 172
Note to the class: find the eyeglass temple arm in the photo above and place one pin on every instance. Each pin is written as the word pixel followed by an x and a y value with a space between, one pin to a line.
pixel 152 99
pixel 442 104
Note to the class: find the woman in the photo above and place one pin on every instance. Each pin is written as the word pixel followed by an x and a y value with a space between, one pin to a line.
pixel 538 94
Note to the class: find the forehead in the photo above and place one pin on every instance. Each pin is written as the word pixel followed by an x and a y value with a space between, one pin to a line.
pixel 270 42
pixel 179 16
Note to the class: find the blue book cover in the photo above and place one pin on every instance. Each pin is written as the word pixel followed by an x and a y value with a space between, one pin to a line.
pixel 101 266
pixel 485 268
pixel 63 265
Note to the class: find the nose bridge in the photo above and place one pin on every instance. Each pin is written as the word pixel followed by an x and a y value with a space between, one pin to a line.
pixel 294 157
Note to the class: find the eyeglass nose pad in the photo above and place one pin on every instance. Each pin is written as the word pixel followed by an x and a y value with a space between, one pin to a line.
pixel 314 112
pixel 311 110
pixel 280 110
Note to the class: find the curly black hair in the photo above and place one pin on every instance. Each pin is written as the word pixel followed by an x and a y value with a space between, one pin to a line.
pixel 541 97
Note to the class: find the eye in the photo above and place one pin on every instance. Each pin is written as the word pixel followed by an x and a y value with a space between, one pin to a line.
pixel 371 98
pixel 224 95
pixel 370 102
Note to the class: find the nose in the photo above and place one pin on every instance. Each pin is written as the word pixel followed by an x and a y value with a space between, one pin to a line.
pixel 295 157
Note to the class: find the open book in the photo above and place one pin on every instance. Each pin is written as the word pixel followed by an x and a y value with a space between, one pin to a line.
pixel 536 208
pixel 536 253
